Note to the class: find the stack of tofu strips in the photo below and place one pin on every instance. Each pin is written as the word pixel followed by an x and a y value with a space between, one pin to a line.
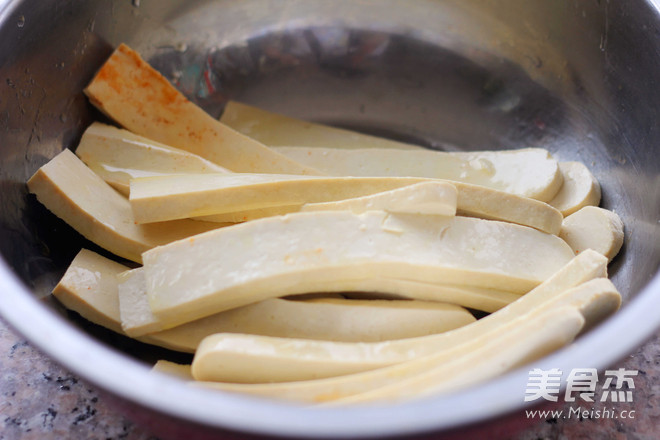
pixel 308 263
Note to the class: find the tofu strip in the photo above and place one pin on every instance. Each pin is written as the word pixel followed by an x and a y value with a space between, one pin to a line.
pixel 134 94
pixel 478 298
pixel 92 287
pixel 329 319
pixel 78 196
pixel 580 283
pixel 527 341
pixel 593 228
pixel 171 197
pixel 274 129
pixel 596 299
pixel 580 189
pixel 118 156
pixel 432 198
pixel 296 253
pixel 528 172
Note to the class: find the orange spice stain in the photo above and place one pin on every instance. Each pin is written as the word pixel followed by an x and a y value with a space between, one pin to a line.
pixel 110 76
pixel 145 77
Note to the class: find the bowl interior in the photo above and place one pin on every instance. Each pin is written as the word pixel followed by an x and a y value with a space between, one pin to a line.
pixel 577 79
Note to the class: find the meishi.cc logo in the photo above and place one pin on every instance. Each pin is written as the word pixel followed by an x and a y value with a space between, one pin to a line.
pixel 581 384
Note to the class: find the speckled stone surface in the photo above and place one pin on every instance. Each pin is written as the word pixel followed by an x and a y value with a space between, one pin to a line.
pixel 40 400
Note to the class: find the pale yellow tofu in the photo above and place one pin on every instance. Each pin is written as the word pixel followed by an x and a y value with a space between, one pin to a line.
pixel 163 198
pixel 292 254
pixel 118 156
pixel 477 298
pixel 92 286
pixel 527 172
pixel 331 319
pixel 134 94
pixel 431 198
pixel 516 346
pixel 181 371
pixel 89 287
pixel 75 194
pixel 593 228
pixel 581 283
pixel 580 189
pixel 274 129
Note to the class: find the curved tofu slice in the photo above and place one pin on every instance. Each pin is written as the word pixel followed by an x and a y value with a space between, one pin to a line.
pixel 362 357
pixel 580 189
pixel 182 371
pixel 325 319
pixel 529 172
pixel 293 254
pixel 250 214
pixel 134 312
pixel 75 194
pixel 274 129
pixel 432 198
pixel 593 228
pixel 477 298
pixel 310 319
pixel 118 156
pixel 519 345
pixel 542 333
pixel 89 287
pixel 163 198
pixel 134 94
pixel 352 320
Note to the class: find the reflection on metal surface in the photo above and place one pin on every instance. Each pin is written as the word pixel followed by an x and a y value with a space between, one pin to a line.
pixel 445 74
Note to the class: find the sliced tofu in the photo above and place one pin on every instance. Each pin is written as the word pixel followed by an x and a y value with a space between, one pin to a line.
pixel 96 288
pixel 78 196
pixel 593 228
pixel 353 320
pixel 518 345
pixel 293 254
pixel 529 172
pixel 274 129
pixel 182 371
pixel 134 312
pixel 432 198
pixel 155 199
pixel 134 94
pixel 250 214
pixel 580 284
pixel 89 287
pixel 137 318
pixel 326 319
pixel 118 156
pixel 542 333
pixel 477 298
pixel 580 189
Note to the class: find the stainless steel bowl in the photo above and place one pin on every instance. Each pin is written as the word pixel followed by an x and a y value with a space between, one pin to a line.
pixel 577 78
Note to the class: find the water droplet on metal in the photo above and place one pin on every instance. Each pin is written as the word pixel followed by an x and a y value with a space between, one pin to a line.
pixel 21 21
pixel 63 117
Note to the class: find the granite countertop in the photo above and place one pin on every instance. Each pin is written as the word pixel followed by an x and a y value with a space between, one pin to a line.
pixel 40 400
